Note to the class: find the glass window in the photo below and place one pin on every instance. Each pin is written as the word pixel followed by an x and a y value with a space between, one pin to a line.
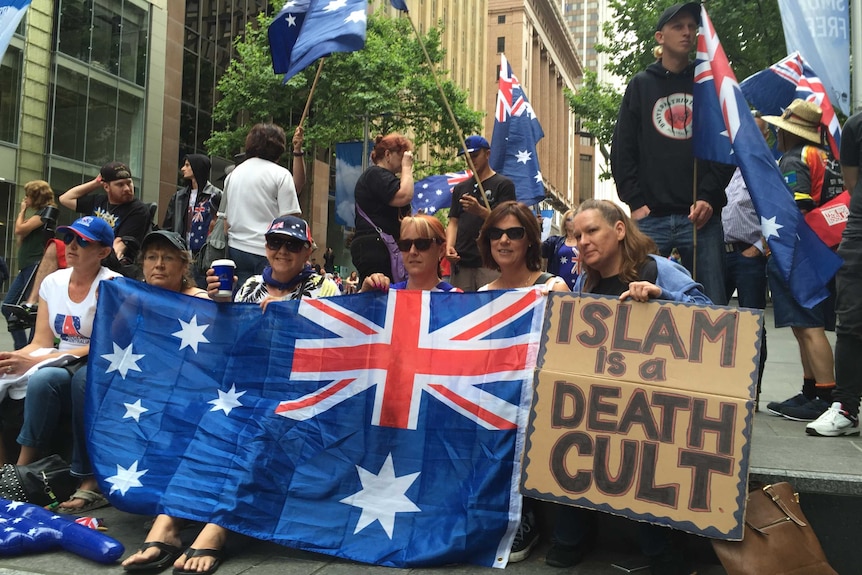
pixel 190 77
pixel 105 44
pixel 133 45
pixel 501 44
pixel 501 19
pixel 70 114
pixel 10 95
pixel 73 36
pixel 102 124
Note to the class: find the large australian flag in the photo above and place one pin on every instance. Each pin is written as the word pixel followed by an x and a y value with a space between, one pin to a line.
pixel 383 428
pixel 726 132
pixel 434 193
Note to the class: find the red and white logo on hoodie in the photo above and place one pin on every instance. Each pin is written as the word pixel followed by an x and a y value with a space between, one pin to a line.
pixel 671 116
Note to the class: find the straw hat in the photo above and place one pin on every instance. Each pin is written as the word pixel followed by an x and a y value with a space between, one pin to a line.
pixel 800 118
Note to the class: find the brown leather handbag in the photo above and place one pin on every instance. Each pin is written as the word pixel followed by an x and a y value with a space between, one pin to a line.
pixel 777 539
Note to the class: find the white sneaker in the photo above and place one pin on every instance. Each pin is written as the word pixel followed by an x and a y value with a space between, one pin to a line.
pixel 834 422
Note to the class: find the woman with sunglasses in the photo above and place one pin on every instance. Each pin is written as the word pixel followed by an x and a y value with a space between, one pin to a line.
pixel 422 246
pixel 288 276
pixel 562 252
pixel 67 306
pixel 510 242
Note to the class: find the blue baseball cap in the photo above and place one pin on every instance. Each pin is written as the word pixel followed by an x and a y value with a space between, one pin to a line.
pixel 292 227
pixel 475 143
pixel 91 228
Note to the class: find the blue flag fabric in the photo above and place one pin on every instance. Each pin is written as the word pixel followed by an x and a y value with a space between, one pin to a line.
pixel 307 426
pixel 305 30
pixel 399 5
pixel 348 168
pixel 773 89
pixel 435 192
pixel 516 133
pixel 805 261
pixel 11 14
pixel 820 31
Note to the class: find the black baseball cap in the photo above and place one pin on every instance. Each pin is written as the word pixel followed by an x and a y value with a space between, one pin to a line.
pixel 670 13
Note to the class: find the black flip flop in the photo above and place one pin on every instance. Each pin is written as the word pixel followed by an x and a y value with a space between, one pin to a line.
pixel 167 555
pixel 192 552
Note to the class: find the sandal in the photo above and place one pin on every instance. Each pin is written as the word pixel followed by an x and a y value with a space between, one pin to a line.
pixel 167 555
pixel 192 552
pixel 92 500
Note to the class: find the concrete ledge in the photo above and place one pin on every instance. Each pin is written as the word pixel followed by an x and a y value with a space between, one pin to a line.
pixel 810 481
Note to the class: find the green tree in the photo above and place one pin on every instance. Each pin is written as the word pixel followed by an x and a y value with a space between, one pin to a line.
pixel 389 82
pixel 750 33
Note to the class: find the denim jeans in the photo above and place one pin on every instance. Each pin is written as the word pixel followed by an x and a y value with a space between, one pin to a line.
pixel 848 326
pixel 53 392
pixel 748 277
pixel 16 290
pixel 676 231
pixel 247 265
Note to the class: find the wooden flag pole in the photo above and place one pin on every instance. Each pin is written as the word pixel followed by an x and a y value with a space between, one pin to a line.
pixel 311 92
pixel 451 113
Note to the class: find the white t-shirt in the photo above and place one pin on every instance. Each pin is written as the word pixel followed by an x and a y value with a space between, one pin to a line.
pixel 257 192
pixel 71 322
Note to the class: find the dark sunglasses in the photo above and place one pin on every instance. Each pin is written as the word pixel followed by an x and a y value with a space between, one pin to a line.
pixel 517 233
pixel 276 244
pixel 422 244
pixel 70 237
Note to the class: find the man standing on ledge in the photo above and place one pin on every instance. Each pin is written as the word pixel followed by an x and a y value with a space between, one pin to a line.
pixel 653 163
pixel 467 215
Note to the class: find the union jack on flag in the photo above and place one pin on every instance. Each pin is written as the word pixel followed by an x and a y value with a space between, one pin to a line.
pixel 435 192
pixel 772 90
pixel 382 428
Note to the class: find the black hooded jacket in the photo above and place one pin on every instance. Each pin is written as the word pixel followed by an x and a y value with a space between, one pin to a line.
pixel 206 203
pixel 652 159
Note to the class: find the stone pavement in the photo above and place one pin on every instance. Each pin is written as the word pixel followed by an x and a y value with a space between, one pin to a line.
pixel 829 469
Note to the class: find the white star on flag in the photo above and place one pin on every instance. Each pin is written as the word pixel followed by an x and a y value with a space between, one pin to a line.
pixel 134 410
pixel 14 505
pixel 524 156
pixel 439 192
pixel 356 16
pixel 335 5
pixel 425 186
pixel 122 360
pixel 291 20
pixel 382 496
pixel 539 177
pixel 126 478
pixel 770 227
pixel 227 401
pixel 563 259
pixel 191 334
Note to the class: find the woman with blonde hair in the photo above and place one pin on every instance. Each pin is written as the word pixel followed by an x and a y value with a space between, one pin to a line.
pixel 31 240
pixel 562 251
pixel 423 246
pixel 619 259
pixel 382 200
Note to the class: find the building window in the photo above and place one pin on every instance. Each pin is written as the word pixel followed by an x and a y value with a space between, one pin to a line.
pixel 10 95
pixel 501 44
pixel 501 19
pixel 585 179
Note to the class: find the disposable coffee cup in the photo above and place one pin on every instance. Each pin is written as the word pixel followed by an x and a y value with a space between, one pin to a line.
pixel 224 269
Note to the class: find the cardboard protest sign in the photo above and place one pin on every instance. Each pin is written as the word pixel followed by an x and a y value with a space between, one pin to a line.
pixel 644 410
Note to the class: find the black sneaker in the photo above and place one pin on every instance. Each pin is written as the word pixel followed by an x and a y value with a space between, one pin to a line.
pixel 808 412
pixel 776 407
pixel 525 539
pixel 564 555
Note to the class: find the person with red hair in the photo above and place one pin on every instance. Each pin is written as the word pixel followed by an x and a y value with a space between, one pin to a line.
pixel 382 200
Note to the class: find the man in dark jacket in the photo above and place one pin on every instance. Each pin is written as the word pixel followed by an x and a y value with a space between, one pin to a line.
pixel 193 207
pixel 652 160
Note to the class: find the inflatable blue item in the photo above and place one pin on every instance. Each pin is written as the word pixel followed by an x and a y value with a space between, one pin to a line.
pixel 69 535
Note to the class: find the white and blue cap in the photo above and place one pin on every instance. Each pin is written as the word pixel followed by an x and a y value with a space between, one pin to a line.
pixel 92 229
pixel 475 143
pixel 292 227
